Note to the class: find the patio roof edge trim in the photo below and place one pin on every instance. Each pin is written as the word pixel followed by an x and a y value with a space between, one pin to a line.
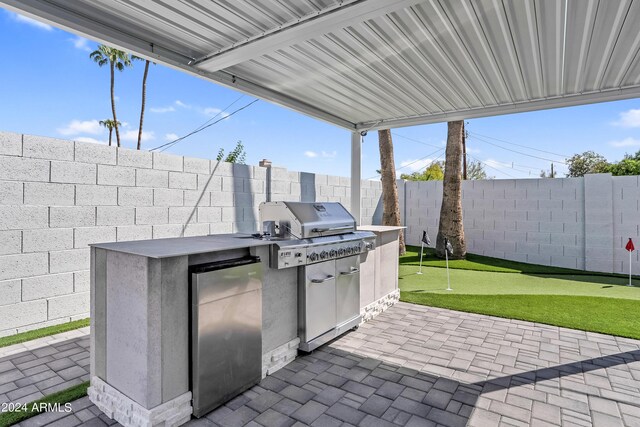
pixel 525 106
pixel 102 33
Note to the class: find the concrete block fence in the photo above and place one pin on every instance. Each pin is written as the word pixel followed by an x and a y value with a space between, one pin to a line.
pixel 581 223
pixel 58 196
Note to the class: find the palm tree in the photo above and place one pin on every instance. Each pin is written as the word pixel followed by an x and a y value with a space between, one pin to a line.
pixel 390 203
pixel 109 124
pixel 144 95
pixel 116 59
pixel 451 226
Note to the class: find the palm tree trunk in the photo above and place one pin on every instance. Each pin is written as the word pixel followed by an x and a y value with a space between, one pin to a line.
pixel 113 102
pixel 110 132
pixel 390 203
pixel 144 100
pixel 451 225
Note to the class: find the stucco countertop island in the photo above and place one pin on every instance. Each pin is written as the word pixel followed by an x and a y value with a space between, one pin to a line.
pixel 140 322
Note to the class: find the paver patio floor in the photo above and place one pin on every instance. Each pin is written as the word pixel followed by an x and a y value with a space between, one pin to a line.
pixel 424 366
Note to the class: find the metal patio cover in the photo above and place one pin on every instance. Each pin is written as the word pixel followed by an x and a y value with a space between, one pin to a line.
pixel 369 64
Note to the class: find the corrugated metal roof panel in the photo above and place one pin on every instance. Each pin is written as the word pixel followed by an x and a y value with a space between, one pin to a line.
pixel 381 62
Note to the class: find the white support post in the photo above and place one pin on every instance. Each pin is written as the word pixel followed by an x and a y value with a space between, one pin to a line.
pixel 356 173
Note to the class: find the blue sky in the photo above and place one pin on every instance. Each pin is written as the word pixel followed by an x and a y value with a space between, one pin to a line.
pixel 50 87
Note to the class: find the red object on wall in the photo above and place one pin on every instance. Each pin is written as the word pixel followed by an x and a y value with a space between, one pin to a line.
pixel 630 246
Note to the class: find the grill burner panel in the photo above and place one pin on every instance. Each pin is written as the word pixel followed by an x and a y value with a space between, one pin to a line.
pixel 295 253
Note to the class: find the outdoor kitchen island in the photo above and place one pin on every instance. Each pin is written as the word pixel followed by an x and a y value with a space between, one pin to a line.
pixel 140 321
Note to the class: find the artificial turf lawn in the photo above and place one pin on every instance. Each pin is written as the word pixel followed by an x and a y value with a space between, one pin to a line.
pixel 43 332
pixel 569 298
pixel 61 397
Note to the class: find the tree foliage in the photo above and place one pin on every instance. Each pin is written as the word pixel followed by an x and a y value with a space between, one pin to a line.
pixel 237 155
pixel 625 167
pixel 434 172
pixel 475 171
pixel 585 163
pixel 629 165
pixel 110 125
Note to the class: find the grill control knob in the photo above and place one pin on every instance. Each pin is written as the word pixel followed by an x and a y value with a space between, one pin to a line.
pixel 313 256
pixel 341 252
pixel 333 253
pixel 349 250
pixel 356 249
pixel 323 255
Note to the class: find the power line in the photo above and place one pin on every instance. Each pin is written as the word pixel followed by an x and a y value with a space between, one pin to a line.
pixel 415 161
pixel 415 140
pixel 515 151
pixel 519 145
pixel 222 111
pixel 201 128
pixel 489 166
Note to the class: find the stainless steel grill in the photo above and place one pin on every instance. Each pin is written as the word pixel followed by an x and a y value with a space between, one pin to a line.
pixel 322 241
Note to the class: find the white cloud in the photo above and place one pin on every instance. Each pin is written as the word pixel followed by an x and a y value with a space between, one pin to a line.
pixel 629 119
pixel 323 154
pixel 89 139
pixel 182 104
pixel 212 111
pixel 76 127
pixel 414 165
pixel 132 135
pixel 627 142
pixel 171 137
pixel 81 43
pixel 32 22
pixel 168 109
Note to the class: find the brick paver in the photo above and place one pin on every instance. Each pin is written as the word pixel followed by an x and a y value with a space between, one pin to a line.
pixel 40 367
pixel 424 366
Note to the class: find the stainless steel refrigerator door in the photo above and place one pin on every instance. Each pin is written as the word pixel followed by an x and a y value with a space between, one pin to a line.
pixel 319 300
pixel 227 334
pixel 347 288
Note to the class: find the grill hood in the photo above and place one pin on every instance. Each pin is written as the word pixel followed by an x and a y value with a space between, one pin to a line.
pixel 301 220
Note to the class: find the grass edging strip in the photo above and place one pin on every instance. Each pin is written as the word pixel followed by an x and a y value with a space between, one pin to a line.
pixel 33 408
pixel 601 315
pixel 43 332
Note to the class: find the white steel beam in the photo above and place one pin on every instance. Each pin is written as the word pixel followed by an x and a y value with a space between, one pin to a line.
pixel 356 175
pixel 68 20
pixel 521 107
pixel 324 23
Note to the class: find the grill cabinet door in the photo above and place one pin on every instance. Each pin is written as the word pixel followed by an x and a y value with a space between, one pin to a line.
pixel 347 288
pixel 320 299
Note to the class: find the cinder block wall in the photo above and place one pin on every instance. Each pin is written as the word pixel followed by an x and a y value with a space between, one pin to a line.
pixel 58 196
pixel 581 223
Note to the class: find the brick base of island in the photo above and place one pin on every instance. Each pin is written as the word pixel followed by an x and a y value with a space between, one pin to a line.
pixel 140 311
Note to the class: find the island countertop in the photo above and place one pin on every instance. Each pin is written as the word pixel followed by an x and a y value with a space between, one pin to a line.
pixel 178 246
pixel 380 228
